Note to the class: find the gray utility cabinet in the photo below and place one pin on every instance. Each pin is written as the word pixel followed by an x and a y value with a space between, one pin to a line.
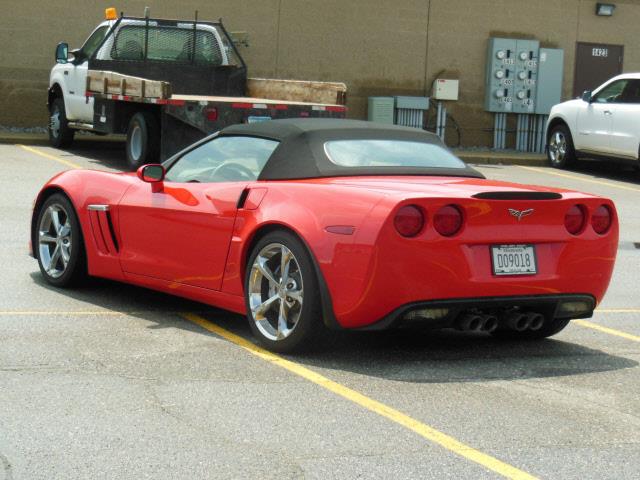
pixel 381 110
pixel 511 75
pixel 550 73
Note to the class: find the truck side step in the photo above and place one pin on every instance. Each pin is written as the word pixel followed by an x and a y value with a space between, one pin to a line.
pixel 80 126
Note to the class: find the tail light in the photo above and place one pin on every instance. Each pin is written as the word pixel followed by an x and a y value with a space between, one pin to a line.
pixel 211 114
pixel 601 219
pixel 448 220
pixel 575 219
pixel 409 221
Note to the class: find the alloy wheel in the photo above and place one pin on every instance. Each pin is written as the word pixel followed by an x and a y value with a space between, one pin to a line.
pixel 557 147
pixel 275 291
pixel 55 240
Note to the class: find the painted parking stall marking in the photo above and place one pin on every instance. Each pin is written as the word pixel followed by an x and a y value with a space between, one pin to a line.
pixel 425 431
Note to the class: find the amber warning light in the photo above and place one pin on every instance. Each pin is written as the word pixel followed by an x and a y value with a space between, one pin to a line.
pixel 110 13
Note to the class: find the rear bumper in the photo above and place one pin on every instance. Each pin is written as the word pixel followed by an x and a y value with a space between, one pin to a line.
pixel 551 306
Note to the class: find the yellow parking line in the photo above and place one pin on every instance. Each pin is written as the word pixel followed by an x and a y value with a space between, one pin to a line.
pixel 582 179
pixel 618 310
pixel 610 331
pixel 50 157
pixel 381 409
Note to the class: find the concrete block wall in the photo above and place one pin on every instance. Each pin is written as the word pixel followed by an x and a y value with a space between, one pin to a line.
pixel 376 47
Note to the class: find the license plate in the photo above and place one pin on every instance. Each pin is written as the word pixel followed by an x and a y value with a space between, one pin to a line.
pixel 514 260
pixel 256 119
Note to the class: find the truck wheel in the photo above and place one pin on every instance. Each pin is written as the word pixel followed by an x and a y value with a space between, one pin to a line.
pixel 143 140
pixel 560 150
pixel 60 135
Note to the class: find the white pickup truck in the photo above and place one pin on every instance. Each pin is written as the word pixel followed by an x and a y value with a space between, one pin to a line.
pixel 166 84
pixel 604 124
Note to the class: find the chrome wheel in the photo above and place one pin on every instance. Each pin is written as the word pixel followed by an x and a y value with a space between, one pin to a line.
pixel 557 147
pixel 55 240
pixel 136 142
pixel 54 123
pixel 275 292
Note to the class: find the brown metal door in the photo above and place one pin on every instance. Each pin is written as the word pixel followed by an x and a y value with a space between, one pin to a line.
pixel 595 64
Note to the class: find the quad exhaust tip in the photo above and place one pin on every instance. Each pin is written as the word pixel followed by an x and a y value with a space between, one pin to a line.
pixel 473 322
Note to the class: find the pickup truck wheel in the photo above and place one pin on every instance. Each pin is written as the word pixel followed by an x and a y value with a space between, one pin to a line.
pixel 143 140
pixel 60 135
pixel 560 151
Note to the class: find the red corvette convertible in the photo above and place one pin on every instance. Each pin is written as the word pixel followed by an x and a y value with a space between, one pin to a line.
pixel 307 224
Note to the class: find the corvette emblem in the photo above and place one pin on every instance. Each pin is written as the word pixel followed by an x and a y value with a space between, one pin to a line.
pixel 520 214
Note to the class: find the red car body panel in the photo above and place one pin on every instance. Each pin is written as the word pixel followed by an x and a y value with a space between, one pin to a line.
pixel 192 240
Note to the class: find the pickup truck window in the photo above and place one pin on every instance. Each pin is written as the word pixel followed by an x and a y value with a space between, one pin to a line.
pixel 94 41
pixel 223 159
pixel 167 44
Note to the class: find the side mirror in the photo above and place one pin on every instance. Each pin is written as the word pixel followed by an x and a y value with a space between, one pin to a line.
pixel 151 173
pixel 62 53
pixel 586 96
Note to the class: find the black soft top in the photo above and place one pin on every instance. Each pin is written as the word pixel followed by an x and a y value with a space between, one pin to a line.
pixel 301 152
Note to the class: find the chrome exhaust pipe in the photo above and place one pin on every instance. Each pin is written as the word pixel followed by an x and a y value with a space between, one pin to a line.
pixel 517 321
pixel 490 323
pixel 470 322
pixel 536 321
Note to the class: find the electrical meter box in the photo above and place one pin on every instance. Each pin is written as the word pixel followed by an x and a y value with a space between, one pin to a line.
pixel 381 110
pixel 444 89
pixel 500 73
pixel 511 75
pixel 550 67
pixel 526 79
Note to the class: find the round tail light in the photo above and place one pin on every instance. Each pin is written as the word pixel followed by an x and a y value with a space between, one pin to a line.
pixel 409 221
pixel 601 219
pixel 448 220
pixel 575 219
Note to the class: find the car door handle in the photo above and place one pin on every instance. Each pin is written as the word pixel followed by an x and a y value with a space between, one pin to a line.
pixel 608 112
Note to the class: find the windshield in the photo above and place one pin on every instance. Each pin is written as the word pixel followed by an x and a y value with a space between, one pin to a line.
pixel 390 153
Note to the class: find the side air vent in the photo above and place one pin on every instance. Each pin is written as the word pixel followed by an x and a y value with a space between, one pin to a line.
pixel 102 228
pixel 518 196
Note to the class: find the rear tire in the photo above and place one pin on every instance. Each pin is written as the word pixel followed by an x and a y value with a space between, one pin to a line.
pixel 143 140
pixel 548 329
pixel 284 313
pixel 60 135
pixel 58 243
pixel 560 149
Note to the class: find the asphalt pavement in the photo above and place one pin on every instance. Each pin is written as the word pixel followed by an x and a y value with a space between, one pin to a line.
pixel 113 381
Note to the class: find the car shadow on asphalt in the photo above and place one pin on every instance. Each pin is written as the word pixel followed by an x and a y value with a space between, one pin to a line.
pixel 408 355
pixel 605 170
pixel 100 153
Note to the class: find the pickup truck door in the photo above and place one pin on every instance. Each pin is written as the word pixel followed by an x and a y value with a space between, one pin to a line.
pixel 595 120
pixel 180 231
pixel 79 107
pixel 625 132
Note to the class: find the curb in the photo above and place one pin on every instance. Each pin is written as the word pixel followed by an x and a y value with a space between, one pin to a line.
pixel 479 158
pixel 503 158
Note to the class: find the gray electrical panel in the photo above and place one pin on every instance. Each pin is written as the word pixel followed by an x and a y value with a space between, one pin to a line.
pixel 550 71
pixel 526 78
pixel 381 110
pixel 499 75
pixel 511 75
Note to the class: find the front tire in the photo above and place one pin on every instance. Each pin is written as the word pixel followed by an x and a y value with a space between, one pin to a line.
pixel 58 243
pixel 281 294
pixel 143 140
pixel 60 135
pixel 560 151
